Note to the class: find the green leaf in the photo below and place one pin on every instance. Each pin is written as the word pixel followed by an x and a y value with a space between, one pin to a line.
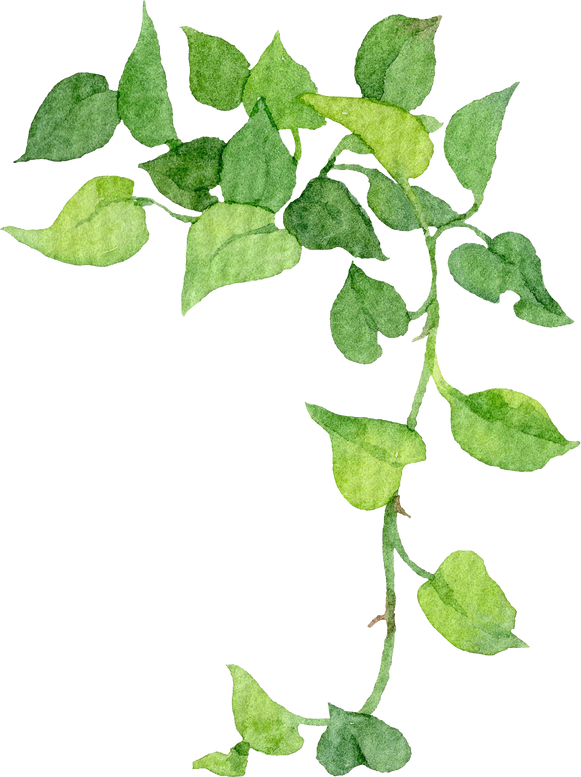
pixel 144 104
pixel 231 765
pixel 470 142
pixel 509 263
pixel 218 71
pixel 396 62
pixel 398 139
pixel 100 225
pixel 503 428
pixel 355 739
pixel 354 144
pixel 79 115
pixel 368 455
pixel 279 80
pixel 467 607
pixel 363 308
pixel 186 174
pixel 326 216
pixel 430 123
pixel 263 724
pixel 233 244
pixel 257 166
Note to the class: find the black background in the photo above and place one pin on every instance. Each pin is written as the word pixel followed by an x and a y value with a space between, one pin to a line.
pixel 194 429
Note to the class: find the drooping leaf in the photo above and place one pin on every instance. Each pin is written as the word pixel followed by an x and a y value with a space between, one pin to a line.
pixel 354 144
pixel 144 104
pixel 327 216
pixel 218 71
pixel 398 139
pixel 100 225
pixel 262 723
pixel 471 136
pixel 396 61
pixel 257 166
pixel 233 244
pixel 510 264
pixel 186 174
pixel 79 115
pixel 430 123
pixel 363 308
pixel 232 764
pixel 368 455
pixel 467 607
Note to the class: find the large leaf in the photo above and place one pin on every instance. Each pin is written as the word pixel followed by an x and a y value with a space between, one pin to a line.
pixel 100 225
pixel 232 764
pixel 398 139
pixel 368 455
pixel 233 244
pixel 509 263
pixel 467 607
pixel 218 71
pixel 77 116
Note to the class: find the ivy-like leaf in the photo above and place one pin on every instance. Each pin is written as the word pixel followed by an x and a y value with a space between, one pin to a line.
pixel 261 722
pixel 232 764
pixel 327 216
pixel 468 608
pixel 354 144
pixel 218 71
pixel 144 104
pixel 398 139
pixel 471 136
pixel 257 166
pixel 186 174
pixel 100 225
pixel 368 455
pixel 509 263
pixel 233 244
pixel 430 123
pixel 79 115
pixel 363 308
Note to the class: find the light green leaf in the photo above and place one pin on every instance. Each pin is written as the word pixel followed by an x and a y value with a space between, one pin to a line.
pixel 218 71
pixel 144 104
pixel 232 764
pixel 354 144
pixel 398 139
pixel 467 607
pixel 79 115
pixel 471 136
pixel 368 455
pixel 363 308
pixel 233 244
pixel 430 123
pixel 100 225
pixel 263 724
pixel 257 166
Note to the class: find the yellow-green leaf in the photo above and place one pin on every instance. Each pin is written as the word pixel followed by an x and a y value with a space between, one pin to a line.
pixel 232 764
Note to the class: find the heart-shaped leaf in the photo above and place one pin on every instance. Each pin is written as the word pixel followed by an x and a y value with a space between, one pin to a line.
pixel 368 455
pixel 467 607
pixel 232 764
pixel 218 71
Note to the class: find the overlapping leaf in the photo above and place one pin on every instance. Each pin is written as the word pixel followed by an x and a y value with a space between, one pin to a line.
pixel 218 71
pixel 232 764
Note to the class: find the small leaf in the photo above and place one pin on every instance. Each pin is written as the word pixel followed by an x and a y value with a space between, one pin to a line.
pixel 186 174
pixel 467 607
pixel 398 139
pixel 327 216
pixel 471 136
pixel 257 166
pixel 233 244
pixel 232 764
pixel 504 428
pixel 263 724
pixel 144 104
pixel 354 144
pixel 218 71
pixel 396 61
pixel 79 115
pixel 363 308
pixel 100 225
pixel 368 455
pixel 430 123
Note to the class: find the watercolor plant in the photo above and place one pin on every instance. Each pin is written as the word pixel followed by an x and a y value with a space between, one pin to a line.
pixel 236 240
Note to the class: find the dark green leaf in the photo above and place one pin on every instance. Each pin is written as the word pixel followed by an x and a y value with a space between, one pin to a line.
pixel 218 71
pixel 430 123
pixel 77 116
pixel 326 216
pixel 396 62
pixel 144 104
pixel 257 166
pixel 471 136
pixel 232 764
pixel 187 173
pixel 509 263
pixel 363 308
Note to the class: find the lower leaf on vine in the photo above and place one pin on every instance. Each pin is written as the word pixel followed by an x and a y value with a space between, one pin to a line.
pixel 232 764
